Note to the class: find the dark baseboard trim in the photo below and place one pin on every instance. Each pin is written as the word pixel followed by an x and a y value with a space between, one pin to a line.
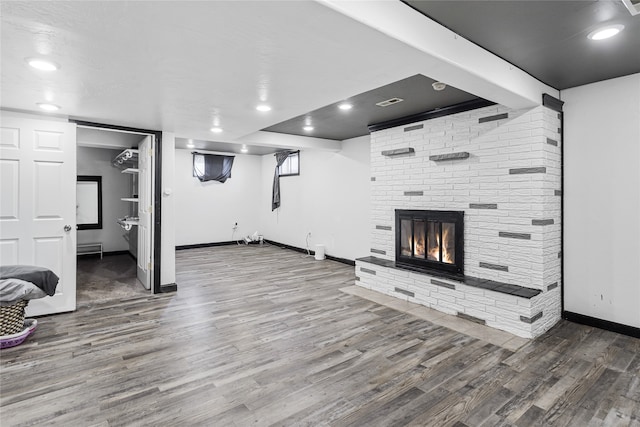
pixel 204 245
pixel 170 287
pixel 461 107
pixel 304 251
pixel 104 254
pixel 342 260
pixel 271 242
pixel 602 324
pixel 285 246
pixel 112 253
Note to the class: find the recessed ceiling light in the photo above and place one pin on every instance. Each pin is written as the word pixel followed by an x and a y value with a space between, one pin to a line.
pixel 48 107
pixel 216 129
pixel 263 107
pixel 42 64
pixel 605 32
pixel 308 128
pixel 345 106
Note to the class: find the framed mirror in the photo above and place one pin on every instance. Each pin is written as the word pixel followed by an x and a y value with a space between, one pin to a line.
pixel 89 202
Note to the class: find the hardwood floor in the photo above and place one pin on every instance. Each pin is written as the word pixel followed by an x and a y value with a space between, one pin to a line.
pixel 258 335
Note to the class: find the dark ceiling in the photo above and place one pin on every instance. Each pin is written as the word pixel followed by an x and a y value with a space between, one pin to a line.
pixel 332 123
pixel 547 39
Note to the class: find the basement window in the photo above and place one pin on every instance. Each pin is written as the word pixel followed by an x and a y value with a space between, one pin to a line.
pixel 291 165
pixel 212 167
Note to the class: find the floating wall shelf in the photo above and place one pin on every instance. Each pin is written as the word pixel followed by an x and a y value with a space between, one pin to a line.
pixel 449 156
pixel 398 152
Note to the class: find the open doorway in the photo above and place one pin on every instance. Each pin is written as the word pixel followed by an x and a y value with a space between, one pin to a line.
pixel 115 259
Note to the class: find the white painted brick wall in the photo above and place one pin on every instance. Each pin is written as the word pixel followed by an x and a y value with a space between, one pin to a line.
pixel 495 147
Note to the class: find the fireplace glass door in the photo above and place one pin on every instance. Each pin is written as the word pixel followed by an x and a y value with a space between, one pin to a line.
pixel 430 239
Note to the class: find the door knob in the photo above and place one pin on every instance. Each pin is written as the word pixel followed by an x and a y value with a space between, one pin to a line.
pixel 67 228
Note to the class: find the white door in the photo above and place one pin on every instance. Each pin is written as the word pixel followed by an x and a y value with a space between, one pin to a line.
pixel 38 203
pixel 145 211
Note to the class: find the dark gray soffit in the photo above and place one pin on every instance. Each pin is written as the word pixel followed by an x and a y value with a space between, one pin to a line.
pixel 547 39
pixel 331 123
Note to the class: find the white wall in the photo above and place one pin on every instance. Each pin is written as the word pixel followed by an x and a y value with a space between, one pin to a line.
pixel 330 198
pixel 97 161
pixel 206 211
pixel 168 231
pixel 602 200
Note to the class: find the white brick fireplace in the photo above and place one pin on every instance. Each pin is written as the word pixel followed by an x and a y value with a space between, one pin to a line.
pixel 501 167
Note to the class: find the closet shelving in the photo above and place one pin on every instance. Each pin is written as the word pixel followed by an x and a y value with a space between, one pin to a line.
pixel 126 159
pixel 127 162
pixel 127 222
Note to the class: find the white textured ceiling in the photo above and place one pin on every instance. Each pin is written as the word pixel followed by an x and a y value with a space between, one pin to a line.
pixel 185 66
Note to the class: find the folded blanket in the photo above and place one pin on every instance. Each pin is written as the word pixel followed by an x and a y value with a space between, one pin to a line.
pixel 14 290
pixel 43 278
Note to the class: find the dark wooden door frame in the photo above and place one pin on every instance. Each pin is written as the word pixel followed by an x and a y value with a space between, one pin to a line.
pixel 157 194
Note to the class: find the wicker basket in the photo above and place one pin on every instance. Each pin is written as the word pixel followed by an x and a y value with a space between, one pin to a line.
pixel 12 318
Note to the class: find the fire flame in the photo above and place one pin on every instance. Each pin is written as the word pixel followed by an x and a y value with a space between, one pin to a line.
pixel 419 248
pixel 406 250
pixel 433 253
pixel 447 252
pixel 447 256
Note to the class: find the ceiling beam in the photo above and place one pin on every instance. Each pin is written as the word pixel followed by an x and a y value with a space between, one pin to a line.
pixel 282 140
pixel 446 56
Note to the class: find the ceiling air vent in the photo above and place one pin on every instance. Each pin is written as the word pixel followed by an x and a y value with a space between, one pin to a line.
pixel 389 102
pixel 633 6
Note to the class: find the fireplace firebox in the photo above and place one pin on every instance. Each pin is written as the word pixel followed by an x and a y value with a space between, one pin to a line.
pixel 430 240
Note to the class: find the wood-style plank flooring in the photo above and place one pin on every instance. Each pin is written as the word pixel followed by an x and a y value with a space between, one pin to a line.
pixel 259 335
